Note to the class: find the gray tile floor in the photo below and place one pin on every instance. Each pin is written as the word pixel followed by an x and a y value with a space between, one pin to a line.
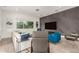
pixel 6 46
pixel 65 46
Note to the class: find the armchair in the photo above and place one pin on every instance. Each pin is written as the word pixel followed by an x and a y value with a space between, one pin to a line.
pixel 39 42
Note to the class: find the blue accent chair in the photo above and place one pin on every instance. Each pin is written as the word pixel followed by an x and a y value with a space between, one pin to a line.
pixel 54 37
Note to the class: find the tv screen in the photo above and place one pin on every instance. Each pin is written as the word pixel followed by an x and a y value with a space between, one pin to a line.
pixel 51 25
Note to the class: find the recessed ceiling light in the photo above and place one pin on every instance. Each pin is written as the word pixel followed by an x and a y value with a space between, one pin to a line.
pixel 37 9
pixel 56 10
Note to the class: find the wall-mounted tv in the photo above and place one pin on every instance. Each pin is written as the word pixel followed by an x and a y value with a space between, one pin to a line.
pixel 51 25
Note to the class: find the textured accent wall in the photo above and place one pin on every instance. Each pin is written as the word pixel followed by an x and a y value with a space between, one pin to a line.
pixel 67 21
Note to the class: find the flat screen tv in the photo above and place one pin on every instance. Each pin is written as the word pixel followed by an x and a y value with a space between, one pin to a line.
pixel 51 25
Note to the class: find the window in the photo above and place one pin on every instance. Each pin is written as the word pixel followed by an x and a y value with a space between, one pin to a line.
pixel 24 25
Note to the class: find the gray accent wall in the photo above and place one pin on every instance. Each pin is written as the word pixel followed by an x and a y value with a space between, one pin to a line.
pixel 67 21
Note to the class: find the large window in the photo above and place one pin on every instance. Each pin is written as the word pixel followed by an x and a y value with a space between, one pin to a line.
pixel 24 25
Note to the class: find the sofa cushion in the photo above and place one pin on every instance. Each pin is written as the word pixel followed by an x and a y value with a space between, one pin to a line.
pixel 25 37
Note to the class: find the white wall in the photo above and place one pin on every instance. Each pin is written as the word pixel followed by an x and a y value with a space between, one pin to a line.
pixel 14 17
pixel 0 23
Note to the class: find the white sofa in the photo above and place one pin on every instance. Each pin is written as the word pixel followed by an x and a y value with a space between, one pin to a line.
pixel 18 45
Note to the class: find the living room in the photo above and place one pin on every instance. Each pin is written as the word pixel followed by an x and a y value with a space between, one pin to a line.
pixel 15 21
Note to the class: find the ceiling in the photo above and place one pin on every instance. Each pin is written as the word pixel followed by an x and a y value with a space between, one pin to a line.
pixel 41 10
